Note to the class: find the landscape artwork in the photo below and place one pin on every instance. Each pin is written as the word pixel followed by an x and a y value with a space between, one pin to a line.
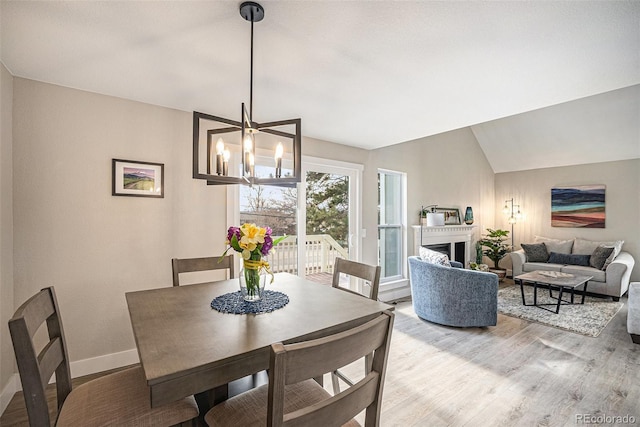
pixel 137 179
pixel 578 206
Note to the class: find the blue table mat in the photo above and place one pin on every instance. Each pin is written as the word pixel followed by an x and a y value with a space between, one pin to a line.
pixel 234 304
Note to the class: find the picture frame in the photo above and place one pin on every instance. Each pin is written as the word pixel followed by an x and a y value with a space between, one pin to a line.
pixel 134 178
pixel 451 215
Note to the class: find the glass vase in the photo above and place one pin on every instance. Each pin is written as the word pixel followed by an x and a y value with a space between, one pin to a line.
pixel 468 216
pixel 253 279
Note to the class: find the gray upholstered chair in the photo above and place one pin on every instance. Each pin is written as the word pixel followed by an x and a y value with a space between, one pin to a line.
pixel 453 296
pixel 190 265
pixel 121 398
pixel 633 315
pixel 292 397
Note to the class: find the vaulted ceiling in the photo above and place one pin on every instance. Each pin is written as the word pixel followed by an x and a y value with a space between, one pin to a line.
pixel 361 73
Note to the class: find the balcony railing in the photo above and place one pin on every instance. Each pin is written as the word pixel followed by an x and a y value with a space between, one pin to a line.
pixel 321 250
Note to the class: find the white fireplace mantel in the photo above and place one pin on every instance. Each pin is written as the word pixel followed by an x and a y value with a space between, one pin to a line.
pixel 451 234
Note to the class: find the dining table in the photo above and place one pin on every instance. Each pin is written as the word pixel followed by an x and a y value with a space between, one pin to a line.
pixel 186 347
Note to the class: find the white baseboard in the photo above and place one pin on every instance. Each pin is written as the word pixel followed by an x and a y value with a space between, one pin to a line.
pixel 12 386
pixel 394 290
pixel 79 368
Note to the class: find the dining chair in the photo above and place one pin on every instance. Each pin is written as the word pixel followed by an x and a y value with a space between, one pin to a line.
pixel 371 275
pixel 189 265
pixel 293 397
pixel 121 398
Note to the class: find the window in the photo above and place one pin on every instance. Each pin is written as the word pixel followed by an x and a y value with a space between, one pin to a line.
pixel 391 207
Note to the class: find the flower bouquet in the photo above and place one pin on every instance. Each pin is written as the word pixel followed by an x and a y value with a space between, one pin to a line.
pixel 253 243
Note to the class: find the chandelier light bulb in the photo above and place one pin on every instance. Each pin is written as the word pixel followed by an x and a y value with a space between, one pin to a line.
pixel 219 146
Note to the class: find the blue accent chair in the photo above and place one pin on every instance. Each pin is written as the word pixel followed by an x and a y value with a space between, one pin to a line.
pixel 453 296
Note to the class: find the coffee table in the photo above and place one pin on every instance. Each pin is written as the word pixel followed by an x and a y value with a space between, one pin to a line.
pixel 560 282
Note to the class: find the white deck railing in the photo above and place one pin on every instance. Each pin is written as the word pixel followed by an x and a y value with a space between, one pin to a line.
pixel 321 250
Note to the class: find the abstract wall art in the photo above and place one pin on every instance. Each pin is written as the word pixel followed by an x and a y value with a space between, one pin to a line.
pixel 578 206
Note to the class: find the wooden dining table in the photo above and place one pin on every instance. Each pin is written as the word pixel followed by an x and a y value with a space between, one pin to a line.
pixel 187 347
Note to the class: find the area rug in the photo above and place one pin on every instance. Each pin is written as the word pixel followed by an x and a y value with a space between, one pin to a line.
pixel 588 319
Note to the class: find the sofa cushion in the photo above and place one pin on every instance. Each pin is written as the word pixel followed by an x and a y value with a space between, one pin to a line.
pixel 535 252
pixel 535 266
pixel 598 275
pixel 434 257
pixel 599 256
pixel 570 259
pixel 559 246
pixel 586 247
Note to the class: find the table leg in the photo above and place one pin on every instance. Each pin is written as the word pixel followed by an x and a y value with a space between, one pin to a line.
pixel 522 292
pixel 535 293
pixel 559 300
pixel 584 292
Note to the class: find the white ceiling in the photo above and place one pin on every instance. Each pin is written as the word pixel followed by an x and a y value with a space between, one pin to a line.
pixel 361 73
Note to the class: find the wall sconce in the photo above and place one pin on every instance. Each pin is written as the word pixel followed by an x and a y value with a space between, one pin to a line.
pixel 246 141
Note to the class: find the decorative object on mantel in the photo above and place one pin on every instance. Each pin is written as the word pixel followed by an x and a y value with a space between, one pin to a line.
pixel 514 213
pixel 588 319
pixel 137 179
pixel 246 143
pixel 451 215
pixel 468 216
pixel 253 243
pixel 580 206
pixel 496 249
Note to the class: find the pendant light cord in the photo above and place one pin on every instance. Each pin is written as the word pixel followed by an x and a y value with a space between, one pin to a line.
pixel 251 77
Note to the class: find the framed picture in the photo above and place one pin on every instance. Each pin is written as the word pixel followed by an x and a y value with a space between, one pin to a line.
pixel 451 215
pixel 578 206
pixel 137 179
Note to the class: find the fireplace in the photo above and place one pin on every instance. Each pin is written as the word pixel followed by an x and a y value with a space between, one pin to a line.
pixel 453 240
pixel 443 248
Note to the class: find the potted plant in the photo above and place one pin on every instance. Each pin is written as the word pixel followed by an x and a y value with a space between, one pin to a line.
pixel 496 249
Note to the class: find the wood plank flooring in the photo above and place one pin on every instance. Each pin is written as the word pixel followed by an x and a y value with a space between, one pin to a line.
pixel 514 374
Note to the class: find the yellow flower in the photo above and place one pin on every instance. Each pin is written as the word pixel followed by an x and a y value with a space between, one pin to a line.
pixel 252 235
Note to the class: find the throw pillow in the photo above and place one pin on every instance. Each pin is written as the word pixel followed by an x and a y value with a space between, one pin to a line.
pixel 570 259
pixel 617 247
pixel 559 246
pixel 599 257
pixel 535 252
pixel 434 257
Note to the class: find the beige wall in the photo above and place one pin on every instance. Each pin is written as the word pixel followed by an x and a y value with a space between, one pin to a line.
pixel 532 189
pixel 7 361
pixel 71 233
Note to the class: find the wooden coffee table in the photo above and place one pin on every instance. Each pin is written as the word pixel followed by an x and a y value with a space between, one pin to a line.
pixel 560 282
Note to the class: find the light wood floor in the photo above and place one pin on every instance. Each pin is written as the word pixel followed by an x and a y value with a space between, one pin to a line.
pixel 514 374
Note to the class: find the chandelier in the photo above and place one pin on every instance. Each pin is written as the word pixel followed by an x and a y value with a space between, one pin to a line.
pixel 247 152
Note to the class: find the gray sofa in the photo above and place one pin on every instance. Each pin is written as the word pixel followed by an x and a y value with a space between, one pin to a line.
pixel 613 281
pixel 453 296
pixel 633 315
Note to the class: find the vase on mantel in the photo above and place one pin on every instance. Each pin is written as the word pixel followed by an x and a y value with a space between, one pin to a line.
pixel 468 216
pixel 253 279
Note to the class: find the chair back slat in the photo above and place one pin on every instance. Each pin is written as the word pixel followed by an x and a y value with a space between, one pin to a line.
pixel 338 409
pixel 50 358
pixel 293 363
pixel 369 273
pixel 190 265
pixel 36 368
pixel 36 311
pixel 314 358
